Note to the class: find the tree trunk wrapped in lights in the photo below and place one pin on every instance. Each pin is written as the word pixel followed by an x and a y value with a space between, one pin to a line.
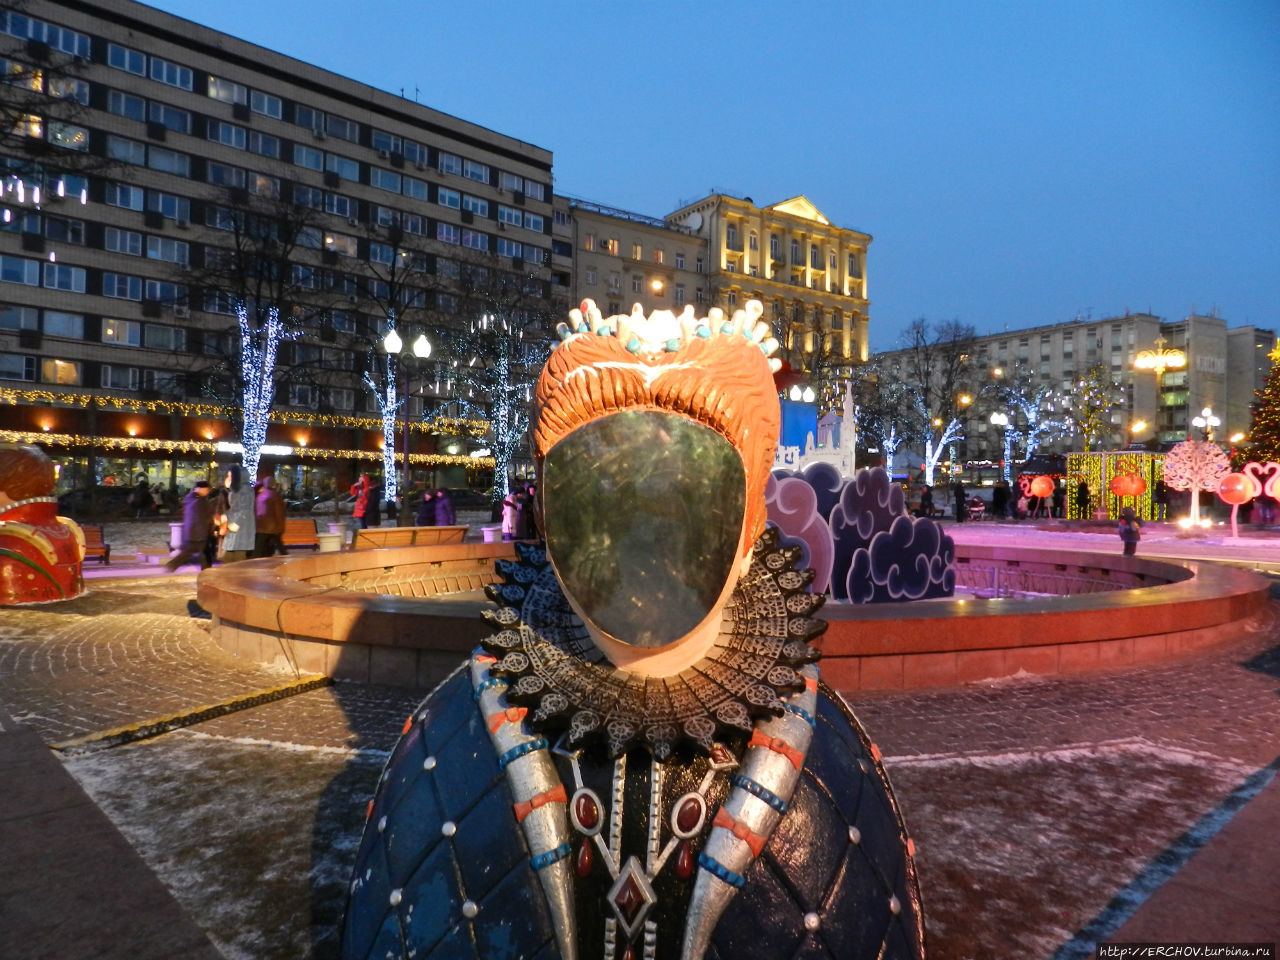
pixel 258 349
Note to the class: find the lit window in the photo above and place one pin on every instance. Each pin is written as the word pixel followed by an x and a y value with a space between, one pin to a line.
pixel 66 372
pixel 120 331
pixel 611 246
pixel 228 91
pixel 340 243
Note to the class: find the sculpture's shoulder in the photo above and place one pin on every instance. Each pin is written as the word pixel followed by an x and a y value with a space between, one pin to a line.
pixel 443 868
pixel 836 878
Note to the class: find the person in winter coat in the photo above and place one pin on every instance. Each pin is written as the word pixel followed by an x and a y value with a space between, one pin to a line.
pixel 510 516
pixel 360 490
pixel 444 515
pixel 268 519
pixel 926 501
pixel 240 540
pixel 1082 500
pixel 1130 531
pixel 140 499
pixel 426 516
pixel 197 528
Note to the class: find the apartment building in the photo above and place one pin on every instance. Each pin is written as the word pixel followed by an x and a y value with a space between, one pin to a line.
pixel 1214 366
pixel 150 154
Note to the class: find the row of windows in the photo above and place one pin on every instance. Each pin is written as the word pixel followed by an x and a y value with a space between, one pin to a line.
pixel 59 323
pixel 321 123
pixel 38 80
pixel 59 38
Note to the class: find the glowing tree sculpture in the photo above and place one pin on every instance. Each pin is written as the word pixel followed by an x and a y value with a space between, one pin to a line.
pixel 258 348
pixel 1195 465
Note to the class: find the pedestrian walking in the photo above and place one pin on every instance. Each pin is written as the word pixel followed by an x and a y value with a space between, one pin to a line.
pixel 510 515
pixel 1130 531
pixel 197 528
pixel 140 499
pixel 444 515
pixel 269 517
pixel 426 516
pixel 962 503
pixel 1160 497
pixel 1059 499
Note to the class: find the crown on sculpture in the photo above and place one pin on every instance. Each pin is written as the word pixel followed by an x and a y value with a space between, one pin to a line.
pixel 665 331
pixel 716 370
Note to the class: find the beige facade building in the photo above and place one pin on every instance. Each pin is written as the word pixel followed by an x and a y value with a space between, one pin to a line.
pixel 623 258
pixel 1224 367
pixel 723 251
pixel 810 274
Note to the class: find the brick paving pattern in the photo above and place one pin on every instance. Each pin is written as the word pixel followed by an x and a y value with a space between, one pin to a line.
pixel 1032 800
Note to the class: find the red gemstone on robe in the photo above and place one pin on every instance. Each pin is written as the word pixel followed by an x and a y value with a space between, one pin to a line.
pixel 684 860
pixel 631 952
pixel 586 858
pixel 689 814
pixel 588 814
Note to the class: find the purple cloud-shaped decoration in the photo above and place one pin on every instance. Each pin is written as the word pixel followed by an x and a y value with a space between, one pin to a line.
pixel 881 553
pixel 827 484
pixel 793 509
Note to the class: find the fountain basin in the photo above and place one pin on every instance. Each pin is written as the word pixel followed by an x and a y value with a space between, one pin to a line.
pixel 407 616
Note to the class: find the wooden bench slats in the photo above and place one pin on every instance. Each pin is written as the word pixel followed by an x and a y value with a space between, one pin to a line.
pixel 299 532
pixel 94 545
pixel 375 537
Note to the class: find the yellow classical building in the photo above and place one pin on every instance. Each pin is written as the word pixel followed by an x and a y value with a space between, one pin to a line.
pixel 809 273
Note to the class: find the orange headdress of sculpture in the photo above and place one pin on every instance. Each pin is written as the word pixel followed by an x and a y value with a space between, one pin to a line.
pixel 716 370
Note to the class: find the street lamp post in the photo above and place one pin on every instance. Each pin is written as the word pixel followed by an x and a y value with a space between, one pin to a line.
pixel 1002 420
pixel 417 353
pixel 1206 422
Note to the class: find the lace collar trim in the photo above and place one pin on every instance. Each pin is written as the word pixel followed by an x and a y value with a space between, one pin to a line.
pixel 544 653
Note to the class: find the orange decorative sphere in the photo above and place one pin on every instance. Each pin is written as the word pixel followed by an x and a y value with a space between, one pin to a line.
pixel 1042 487
pixel 1236 489
pixel 1127 485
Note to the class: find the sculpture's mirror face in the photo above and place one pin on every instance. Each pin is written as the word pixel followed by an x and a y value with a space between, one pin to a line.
pixel 643 512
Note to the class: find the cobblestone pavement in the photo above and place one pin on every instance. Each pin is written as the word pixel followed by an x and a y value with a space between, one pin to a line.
pixel 1032 800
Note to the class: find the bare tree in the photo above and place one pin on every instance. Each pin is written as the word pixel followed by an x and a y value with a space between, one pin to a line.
pixel 935 366
pixel 810 347
pixel 494 319
pixel 886 412
pixel 1036 410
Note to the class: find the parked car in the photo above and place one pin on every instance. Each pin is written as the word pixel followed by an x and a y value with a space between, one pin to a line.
pixel 346 505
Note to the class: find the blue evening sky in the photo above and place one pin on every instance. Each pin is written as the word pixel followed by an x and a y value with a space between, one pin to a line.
pixel 1016 163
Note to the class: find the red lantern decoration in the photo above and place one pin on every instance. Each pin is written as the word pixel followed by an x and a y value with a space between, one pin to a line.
pixel 1236 489
pixel 1042 487
pixel 1127 485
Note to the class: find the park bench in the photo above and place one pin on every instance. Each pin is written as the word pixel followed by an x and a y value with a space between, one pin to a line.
pixel 94 546
pixel 299 532
pixel 408 536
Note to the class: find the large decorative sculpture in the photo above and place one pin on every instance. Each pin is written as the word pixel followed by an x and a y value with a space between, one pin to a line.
pixel 641 761
pixel 40 552
pixel 1195 465
pixel 1240 488
pixel 858 537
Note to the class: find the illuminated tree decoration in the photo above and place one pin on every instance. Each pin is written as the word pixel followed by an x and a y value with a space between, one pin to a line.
pixel 1099 469
pixel 1195 465
pixel 1264 434
pixel 258 349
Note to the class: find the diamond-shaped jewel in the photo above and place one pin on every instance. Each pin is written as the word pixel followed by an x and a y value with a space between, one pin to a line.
pixel 722 757
pixel 631 896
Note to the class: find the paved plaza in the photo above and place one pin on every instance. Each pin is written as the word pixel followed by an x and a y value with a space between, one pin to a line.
pixel 1048 813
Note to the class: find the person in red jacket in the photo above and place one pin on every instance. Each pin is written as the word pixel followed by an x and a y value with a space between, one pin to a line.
pixel 360 490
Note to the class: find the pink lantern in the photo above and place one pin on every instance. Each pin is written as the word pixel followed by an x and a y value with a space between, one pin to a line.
pixel 1127 485
pixel 1236 488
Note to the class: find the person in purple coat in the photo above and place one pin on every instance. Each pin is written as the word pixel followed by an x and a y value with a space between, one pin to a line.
pixel 444 509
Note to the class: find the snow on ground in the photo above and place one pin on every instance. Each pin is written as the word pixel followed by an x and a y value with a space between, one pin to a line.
pixel 256 846
pixel 1036 843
